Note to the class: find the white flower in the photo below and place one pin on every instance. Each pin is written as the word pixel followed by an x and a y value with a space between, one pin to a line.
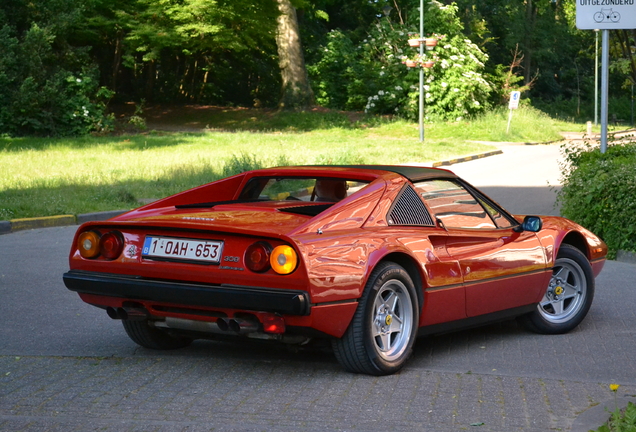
pixel 428 95
pixel 79 80
pixel 392 96
pixel 444 84
pixel 381 73
pixel 476 103
pixel 396 108
pixel 458 119
pixel 454 57
pixel 427 87
pixel 375 98
pixel 372 104
pixel 381 92
pixel 400 50
pixel 455 89
pixel 398 88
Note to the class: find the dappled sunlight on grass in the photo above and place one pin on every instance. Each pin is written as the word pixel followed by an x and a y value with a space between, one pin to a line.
pixel 43 177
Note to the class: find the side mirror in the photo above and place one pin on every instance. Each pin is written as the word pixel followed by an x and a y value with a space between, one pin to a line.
pixel 530 223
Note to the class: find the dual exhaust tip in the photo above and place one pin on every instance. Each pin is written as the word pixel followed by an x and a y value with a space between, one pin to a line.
pixel 233 325
pixel 237 325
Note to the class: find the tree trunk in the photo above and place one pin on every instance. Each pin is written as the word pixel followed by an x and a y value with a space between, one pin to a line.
pixel 296 92
pixel 530 21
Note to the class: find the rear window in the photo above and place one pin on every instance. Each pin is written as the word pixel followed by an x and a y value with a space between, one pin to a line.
pixel 300 189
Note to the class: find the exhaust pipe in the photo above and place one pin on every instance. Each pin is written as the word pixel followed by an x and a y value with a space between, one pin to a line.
pixel 223 325
pixel 242 326
pixel 127 313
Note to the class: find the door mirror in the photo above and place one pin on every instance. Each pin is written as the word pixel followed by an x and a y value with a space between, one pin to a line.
pixel 530 223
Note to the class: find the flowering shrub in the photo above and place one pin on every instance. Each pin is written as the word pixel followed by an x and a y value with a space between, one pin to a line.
pixel 371 76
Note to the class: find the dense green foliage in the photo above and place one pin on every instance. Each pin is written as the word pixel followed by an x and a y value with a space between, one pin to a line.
pixel 371 75
pixel 63 61
pixel 47 86
pixel 599 192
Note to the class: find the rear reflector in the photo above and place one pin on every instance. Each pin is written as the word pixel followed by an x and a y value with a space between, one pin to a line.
pixel 273 324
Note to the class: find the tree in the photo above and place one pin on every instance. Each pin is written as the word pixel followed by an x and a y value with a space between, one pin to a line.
pixel 295 91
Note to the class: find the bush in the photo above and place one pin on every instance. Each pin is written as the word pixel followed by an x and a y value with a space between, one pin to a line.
pixel 47 90
pixel 599 192
pixel 371 76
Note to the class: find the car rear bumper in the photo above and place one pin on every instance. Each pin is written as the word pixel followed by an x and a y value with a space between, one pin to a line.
pixel 282 301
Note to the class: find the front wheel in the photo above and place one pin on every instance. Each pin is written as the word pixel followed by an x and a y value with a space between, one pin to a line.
pixel 381 335
pixel 142 333
pixel 568 296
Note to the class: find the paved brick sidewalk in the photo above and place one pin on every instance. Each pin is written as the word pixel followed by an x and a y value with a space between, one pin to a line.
pixel 185 394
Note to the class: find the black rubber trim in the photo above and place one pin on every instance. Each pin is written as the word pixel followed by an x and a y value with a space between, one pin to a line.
pixel 283 301
pixel 476 321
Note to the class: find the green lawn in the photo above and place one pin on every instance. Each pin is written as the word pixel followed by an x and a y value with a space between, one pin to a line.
pixel 52 176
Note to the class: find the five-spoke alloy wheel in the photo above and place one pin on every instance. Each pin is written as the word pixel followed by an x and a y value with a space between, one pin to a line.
pixel 568 296
pixel 380 337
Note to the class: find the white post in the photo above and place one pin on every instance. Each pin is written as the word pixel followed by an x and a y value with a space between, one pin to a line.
pixel 509 119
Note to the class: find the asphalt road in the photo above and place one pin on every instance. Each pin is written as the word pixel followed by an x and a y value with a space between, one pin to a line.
pixel 65 365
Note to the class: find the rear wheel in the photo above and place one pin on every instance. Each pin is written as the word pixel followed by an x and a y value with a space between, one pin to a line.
pixel 142 333
pixel 381 335
pixel 568 296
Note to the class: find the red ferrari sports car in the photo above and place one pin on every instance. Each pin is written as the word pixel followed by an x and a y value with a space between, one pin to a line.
pixel 369 257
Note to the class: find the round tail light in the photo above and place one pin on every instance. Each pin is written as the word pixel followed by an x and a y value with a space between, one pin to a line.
pixel 257 257
pixel 283 259
pixel 111 245
pixel 88 244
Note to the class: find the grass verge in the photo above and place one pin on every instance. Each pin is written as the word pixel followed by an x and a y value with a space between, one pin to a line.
pixel 46 177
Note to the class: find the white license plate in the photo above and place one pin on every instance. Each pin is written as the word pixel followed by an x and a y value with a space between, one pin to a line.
pixel 182 249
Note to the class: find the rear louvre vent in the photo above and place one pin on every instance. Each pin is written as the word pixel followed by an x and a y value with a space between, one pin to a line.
pixel 409 209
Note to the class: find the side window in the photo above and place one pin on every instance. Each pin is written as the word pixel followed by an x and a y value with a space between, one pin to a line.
pixel 496 215
pixel 454 205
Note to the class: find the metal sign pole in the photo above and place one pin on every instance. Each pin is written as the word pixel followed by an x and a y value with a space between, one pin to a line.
pixel 596 81
pixel 604 88
pixel 421 72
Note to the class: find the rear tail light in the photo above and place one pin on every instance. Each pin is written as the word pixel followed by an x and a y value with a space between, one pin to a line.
pixel 283 259
pixel 257 257
pixel 88 244
pixel 111 245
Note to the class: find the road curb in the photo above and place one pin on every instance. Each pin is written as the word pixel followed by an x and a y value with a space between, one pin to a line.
pixel 466 158
pixel 42 222
pixel 22 224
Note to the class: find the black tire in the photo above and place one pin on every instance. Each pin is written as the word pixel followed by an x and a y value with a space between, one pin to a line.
pixel 382 332
pixel 147 336
pixel 568 296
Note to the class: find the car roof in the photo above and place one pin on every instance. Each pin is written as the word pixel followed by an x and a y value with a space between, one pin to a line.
pixel 412 173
